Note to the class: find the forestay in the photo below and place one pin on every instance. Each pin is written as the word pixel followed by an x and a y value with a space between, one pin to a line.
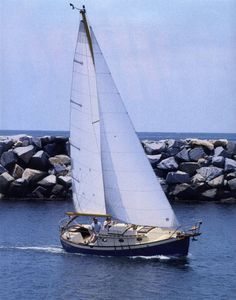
pixel 87 181
pixel 132 191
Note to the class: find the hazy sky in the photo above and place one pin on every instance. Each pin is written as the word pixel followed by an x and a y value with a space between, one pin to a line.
pixel 174 61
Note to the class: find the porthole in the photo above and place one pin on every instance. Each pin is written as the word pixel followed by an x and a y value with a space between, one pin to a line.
pixel 139 239
pixel 104 240
pixel 121 240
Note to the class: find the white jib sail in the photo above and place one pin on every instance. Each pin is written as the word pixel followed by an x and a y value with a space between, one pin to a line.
pixel 132 191
pixel 87 181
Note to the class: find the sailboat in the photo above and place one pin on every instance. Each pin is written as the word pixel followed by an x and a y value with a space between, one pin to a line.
pixel 111 175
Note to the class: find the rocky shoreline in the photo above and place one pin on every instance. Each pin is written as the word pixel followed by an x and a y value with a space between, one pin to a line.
pixel 35 167
pixel 188 170
pixel 194 169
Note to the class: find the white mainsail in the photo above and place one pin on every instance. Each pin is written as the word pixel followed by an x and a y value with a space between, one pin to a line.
pixel 132 191
pixel 87 180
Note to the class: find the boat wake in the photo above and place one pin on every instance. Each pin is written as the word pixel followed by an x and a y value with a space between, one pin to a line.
pixel 159 257
pixel 165 259
pixel 47 249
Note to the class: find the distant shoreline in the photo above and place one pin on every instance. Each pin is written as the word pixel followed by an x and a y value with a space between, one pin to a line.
pixel 141 135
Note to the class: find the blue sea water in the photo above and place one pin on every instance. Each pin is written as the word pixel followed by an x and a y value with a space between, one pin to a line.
pixel 34 266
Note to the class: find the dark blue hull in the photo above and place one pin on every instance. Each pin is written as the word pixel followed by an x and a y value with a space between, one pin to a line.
pixel 172 247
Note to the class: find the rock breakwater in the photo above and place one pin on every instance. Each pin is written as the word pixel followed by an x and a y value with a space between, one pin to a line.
pixel 194 169
pixel 35 167
pixel 191 169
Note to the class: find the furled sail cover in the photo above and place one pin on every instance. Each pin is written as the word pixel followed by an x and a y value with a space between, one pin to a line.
pixel 132 191
pixel 87 181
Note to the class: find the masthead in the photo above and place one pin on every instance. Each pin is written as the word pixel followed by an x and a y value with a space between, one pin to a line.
pixel 87 28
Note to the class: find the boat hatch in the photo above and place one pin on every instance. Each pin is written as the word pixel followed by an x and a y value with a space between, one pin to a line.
pixel 145 229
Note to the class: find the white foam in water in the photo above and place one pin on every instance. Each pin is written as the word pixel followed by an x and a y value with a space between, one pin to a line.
pixel 49 249
pixel 160 257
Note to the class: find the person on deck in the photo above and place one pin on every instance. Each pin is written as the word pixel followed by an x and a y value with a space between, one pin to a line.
pixel 96 227
pixel 107 223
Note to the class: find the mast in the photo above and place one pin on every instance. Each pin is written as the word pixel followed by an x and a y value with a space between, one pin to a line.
pixel 87 30
pixel 85 145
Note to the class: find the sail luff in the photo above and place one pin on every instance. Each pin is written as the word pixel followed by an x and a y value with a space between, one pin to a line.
pixel 132 191
pixel 88 33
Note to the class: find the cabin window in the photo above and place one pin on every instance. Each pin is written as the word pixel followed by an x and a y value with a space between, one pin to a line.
pixel 121 240
pixel 104 240
pixel 139 239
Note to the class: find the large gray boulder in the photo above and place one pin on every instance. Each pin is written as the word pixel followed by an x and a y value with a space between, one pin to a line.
pixel 18 188
pixel 60 159
pixel 171 143
pixel 2 147
pixel 32 176
pixel 197 178
pixel 39 161
pixel 177 177
pixel 231 148
pixel 154 159
pixel 8 143
pixel 2 169
pixel 59 170
pixel 8 159
pixel 209 173
pixel 50 149
pixel 209 195
pixel 58 190
pixel 220 151
pixel 17 172
pixel 40 192
pixel 216 182
pixel 47 139
pixel 230 164
pixel 157 147
pixel 48 181
pixel 183 191
pixel 66 181
pixel 189 167
pixel 230 176
pixel 25 153
pixel 36 141
pixel 232 184
pixel 168 164
pixel 5 180
pixel 26 140
pixel 172 151
pixel 218 161
pixel 61 139
pixel 204 162
pixel 196 153
pixel 183 155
